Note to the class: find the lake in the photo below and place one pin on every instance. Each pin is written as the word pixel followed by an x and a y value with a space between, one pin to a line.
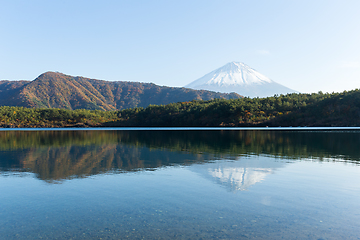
pixel 179 184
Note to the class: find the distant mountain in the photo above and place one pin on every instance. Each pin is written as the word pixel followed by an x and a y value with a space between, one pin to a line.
pixel 240 78
pixel 57 90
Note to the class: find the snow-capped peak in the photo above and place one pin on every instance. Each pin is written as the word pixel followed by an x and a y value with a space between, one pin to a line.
pixel 240 78
pixel 233 73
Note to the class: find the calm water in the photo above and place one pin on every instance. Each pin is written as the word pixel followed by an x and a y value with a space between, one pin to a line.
pixel 179 185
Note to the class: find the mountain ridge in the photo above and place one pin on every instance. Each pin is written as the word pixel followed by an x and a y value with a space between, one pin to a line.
pixel 58 90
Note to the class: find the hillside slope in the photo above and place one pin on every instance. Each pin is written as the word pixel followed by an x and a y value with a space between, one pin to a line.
pixel 8 89
pixel 57 90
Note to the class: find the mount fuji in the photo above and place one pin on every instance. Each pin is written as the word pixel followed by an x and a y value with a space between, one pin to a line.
pixel 240 78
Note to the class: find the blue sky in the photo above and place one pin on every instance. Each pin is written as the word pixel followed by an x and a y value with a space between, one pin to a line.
pixel 305 45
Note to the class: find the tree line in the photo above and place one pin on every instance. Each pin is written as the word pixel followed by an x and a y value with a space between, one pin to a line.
pixel 315 109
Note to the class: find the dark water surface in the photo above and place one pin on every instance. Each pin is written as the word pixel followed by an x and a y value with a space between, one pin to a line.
pixel 179 184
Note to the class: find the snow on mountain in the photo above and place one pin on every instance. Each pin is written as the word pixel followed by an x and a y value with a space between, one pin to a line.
pixel 240 78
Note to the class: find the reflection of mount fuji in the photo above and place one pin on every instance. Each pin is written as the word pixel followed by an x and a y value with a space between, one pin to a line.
pixel 240 174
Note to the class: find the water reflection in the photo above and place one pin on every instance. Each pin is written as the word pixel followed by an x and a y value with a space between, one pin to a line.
pixel 226 185
pixel 238 175
pixel 57 155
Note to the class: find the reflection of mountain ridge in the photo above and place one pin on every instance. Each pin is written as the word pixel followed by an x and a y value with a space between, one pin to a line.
pixel 79 161
pixel 55 155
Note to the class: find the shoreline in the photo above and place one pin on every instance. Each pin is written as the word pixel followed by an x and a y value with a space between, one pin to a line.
pixel 101 128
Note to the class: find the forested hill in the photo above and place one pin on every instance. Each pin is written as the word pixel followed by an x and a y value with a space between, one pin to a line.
pixel 317 109
pixel 57 90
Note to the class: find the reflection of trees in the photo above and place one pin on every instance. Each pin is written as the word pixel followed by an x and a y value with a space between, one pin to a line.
pixel 55 155
pixel 287 144
pixel 275 143
pixel 11 140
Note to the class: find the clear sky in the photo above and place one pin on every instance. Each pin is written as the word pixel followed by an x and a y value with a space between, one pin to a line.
pixel 306 45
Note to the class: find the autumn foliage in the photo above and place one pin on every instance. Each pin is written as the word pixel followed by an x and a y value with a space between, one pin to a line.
pixel 57 90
